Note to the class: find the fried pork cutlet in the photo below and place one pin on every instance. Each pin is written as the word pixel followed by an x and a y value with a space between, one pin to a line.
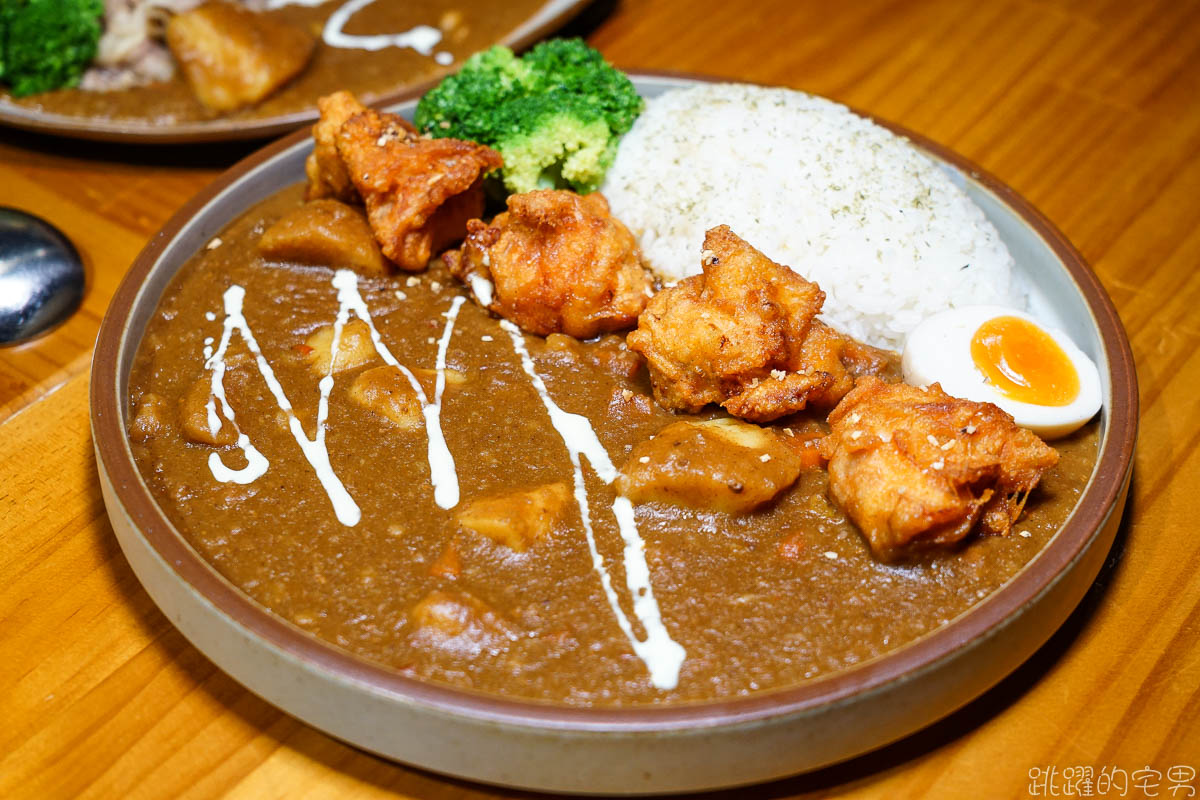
pixel 743 335
pixel 555 262
pixel 915 468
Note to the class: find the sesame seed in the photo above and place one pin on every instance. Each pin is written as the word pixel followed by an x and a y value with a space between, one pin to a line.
pixel 885 437
pixel 1024 534
pixel 628 395
pixel 853 418
pixel 485 338
pixel 400 295
pixel 938 464
pixel 832 556
pixel 435 286
pixel 765 457
pixel 644 460
pixel 932 440
pixel 778 374
pixel 854 435
pixel 412 281
pixel 214 244
pixel 969 429
pixel 950 444
pixel 431 340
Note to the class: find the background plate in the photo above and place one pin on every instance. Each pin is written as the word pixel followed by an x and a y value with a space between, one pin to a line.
pixel 248 125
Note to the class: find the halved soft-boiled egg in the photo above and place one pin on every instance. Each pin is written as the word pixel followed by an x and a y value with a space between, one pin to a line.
pixel 1000 355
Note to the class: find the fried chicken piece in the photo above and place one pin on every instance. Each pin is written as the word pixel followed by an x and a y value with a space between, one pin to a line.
pixel 743 335
pixel 916 469
pixel 327 176
pixel 555 262
pixel 233 57
pixel 419 193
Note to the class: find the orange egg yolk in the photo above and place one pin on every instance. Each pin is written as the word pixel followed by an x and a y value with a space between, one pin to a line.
pixel 1024 362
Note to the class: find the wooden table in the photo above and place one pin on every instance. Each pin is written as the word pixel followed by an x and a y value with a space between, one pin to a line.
pixel 1090 110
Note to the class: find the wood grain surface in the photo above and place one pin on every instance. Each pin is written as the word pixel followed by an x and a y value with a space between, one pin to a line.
pixel 1091 110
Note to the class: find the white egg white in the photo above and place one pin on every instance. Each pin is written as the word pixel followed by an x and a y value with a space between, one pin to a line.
pixel 939 351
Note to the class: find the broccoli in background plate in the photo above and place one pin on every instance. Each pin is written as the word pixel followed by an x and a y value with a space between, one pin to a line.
pixel 47 44
pixel 555 115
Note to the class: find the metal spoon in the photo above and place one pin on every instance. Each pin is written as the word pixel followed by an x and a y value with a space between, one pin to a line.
pixel 41 276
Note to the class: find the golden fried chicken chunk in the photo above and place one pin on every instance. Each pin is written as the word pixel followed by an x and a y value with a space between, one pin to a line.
pixel 233 57
pixel 419 193
pixel 327 176
pixel 915 468
pixel 555 262
pixel 742 335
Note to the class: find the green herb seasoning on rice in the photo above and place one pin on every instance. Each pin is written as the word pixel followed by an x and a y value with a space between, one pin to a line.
pixel 884 231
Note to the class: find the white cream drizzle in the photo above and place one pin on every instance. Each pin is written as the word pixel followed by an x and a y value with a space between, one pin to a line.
pixel 661 654
pixel 442 472
pixel 422 38
pixel 314 449
pixel 441 463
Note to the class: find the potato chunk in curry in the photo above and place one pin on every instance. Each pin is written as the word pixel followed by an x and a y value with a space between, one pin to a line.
pixel 518 519
pixel 387 391
pixel 233 57
pixel 150 418
pixel 325 233
pixel 458 623
pixel 355 348
pixel 716 465
pixel 193 417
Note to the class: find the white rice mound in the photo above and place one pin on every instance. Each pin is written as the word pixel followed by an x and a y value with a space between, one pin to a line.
pixel 884 231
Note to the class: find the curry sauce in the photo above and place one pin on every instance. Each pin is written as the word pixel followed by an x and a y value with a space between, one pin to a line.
pixel 753 601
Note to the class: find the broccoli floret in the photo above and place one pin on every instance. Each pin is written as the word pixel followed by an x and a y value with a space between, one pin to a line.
pixel 556 115
pixel 47 44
